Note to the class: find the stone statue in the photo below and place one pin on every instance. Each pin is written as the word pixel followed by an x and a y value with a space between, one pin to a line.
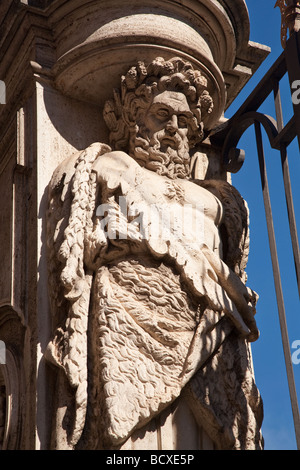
pixel 146 262
pixel 290 18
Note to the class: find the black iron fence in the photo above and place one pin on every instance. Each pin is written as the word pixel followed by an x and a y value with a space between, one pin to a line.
pixel 280 136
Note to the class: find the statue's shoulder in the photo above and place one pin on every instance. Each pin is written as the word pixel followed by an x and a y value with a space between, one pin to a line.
pixel 115 162
pixel 64 172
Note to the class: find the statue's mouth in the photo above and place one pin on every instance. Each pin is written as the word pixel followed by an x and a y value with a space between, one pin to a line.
pixel 169 141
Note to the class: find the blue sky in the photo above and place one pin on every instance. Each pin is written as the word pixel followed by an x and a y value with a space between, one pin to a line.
pixel 268 358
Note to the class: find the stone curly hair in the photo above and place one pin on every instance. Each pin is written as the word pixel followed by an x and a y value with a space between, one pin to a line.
pixel 138 87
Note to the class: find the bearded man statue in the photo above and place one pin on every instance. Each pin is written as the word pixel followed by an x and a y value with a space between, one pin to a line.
pixel 147 279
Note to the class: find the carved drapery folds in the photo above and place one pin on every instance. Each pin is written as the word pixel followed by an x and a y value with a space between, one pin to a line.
pixel 146 268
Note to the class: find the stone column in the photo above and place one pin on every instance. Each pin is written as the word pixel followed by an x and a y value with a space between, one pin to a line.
pixel 60 62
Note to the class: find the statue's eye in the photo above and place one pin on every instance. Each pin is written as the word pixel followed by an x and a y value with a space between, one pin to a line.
pixel 162 113
pixel 182 120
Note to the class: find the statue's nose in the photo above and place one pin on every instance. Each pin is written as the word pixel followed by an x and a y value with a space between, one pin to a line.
pixel 172 124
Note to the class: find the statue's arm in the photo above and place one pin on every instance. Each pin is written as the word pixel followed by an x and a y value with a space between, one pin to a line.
pixel 234 229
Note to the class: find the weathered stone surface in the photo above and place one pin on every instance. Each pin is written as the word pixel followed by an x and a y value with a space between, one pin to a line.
pixel 107 333
pixel 147 287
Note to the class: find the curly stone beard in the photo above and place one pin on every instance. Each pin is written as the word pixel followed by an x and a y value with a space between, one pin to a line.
pixel 166 154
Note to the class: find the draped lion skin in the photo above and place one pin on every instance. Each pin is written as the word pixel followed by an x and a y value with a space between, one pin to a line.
pixel 133 314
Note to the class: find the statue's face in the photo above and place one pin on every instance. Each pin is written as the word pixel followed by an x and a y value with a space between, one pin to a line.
pixel 161 142
pixel 170 113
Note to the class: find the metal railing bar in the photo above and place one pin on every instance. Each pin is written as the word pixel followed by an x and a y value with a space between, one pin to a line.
pixel 260 93
pixel 292 58
pixel 287 186
pixel 277 281
pixel 286 135
pixel 264 88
